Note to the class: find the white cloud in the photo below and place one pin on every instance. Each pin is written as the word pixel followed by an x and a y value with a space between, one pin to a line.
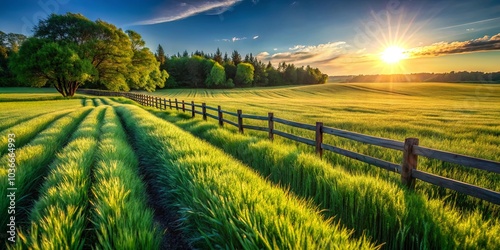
pixel 297 47
pixel 255 37
pixel 303 55
pixel 263 54
pixel 275 49
pixel 485 43
pixel 234 39
pixel 191 8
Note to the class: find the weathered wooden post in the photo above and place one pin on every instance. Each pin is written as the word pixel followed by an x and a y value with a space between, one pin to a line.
pixel 221 122
pixel 192 109
pixel 271 125
pixel 319 139
pixel 204 111
pixel 176 104
pixel 409 162
pixel 183 107
pixel 240 121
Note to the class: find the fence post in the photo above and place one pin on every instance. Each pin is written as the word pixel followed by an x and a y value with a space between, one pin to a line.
pixel 409 162
pixel 240 121
pixel 165 103
pixel 176 104
pixel 192 109
pixel 170 103
pixel 156 102
pixel 183 107
pixel 204 111
pixel 271 125
pixel 319 139
pixel 221 123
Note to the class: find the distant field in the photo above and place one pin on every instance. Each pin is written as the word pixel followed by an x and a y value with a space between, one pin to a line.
pixel 461 118
pixel 29 94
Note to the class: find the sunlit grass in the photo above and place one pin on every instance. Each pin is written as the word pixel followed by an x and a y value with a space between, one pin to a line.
pixel 25 131
pixel 120 216
pixel 461 118
pixel 381 209
pixel 59 217
pixel 32 162
pixel 220 202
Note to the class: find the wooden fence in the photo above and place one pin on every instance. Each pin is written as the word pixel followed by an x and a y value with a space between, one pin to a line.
pixel 410 148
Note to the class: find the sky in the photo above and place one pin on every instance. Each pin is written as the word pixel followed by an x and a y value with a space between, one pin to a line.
pixel 339 37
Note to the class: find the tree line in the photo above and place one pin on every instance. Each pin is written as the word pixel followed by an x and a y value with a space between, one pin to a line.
pixel 223 71
pixel 460 76
pixel 68 51
pixel 9 46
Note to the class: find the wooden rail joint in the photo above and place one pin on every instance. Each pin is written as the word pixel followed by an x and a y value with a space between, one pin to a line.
pixel 409 162
pixel 319 139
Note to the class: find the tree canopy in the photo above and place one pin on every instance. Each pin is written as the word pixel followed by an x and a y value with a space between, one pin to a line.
pixel 119 60
pixel 41 61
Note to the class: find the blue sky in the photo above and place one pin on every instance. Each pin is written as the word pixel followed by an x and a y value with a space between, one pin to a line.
pixel 339 37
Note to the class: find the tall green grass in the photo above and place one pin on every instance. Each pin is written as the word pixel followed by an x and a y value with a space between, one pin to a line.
pixel 460 118
pixel 380 209
pixel 59 217
pixel 32 163
pixel 25 131
pixel 120 216
pixel 221 203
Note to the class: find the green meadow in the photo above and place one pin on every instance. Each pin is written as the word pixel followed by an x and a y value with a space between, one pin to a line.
pixel 92 172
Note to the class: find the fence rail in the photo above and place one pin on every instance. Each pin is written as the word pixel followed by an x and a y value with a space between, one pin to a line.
pixel 410 148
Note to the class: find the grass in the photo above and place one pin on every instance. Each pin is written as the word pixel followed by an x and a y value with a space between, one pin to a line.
pixel 221 203
pixel 25 131
pixel 59 217
pixel 120 216
pixel 13 113
pixel 32 162
pixel 387 208
pixel 255 193
pixel 460 118
pixel 31 94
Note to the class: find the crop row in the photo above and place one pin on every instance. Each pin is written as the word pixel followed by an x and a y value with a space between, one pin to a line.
pixel 221 203
pixel 25 131
pixel 93 194
pixel 120 214
pixel 58 218
pixel 380 209
pixel 32 161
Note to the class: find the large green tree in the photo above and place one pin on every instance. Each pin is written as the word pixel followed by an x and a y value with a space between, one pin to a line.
pixel 42 62
pixel 144 70
pixel 217 76
pixel 119 58
pixel 244 74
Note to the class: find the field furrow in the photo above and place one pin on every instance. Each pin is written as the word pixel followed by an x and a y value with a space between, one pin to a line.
pixel 32 162
pixel 222 203
pixel 390 213
pixel 25 131
pixel 120 216
pixel 59 217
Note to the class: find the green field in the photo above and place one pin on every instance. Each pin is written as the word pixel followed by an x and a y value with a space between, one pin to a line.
pixel 96 172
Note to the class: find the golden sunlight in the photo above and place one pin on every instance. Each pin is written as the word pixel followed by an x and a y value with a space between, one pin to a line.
pixel 393 54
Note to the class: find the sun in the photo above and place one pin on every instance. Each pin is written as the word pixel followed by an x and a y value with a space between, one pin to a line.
pixel 393 54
